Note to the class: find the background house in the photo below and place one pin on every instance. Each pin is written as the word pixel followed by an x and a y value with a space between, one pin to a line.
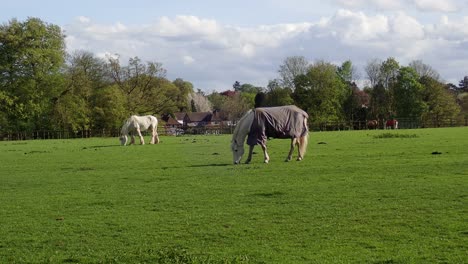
pixel 197 119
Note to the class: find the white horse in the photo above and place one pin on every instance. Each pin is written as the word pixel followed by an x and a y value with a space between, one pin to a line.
pixel 135 125
pixel 290 123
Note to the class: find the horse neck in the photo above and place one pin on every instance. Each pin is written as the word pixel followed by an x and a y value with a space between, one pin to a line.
pixel 243 127
pixel 126 125
pixel 124 130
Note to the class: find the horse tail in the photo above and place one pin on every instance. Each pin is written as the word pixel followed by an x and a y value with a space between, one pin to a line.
pixel 304 140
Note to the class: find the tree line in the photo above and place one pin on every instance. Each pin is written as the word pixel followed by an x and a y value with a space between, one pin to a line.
pixel 42 87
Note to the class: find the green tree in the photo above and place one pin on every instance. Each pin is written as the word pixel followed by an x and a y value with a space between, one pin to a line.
pixel 463 85
pixel 380 103
pixel 277 95
pixel 31 56
pixel 356 103
pixel 217 100
pixel 347 72
pixel 236 86
pixel 247 92
pixel 84 76
pixel 144 86
pixel 249 88
pixel 109 108
pixel 408 94
pixel 441 104
pixel 389 72
pixel 462 100
pixel 185 89
pixel 321 92
pixel 236 106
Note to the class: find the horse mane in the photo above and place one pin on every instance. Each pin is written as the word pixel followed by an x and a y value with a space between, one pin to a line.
pixel 240 124
pixel 126 125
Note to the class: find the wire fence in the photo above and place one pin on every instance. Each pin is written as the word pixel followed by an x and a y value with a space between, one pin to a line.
pixel 88 133
pixel 403 123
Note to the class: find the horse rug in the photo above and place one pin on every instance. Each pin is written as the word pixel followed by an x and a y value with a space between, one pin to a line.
pixel 277 122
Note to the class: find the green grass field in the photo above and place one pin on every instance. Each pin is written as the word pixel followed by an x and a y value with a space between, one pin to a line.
pixel 358 197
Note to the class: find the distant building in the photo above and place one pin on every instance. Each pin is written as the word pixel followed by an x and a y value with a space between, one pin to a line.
pixel 196 122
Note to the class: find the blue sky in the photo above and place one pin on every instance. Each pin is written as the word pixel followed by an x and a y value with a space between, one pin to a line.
pixel 215 43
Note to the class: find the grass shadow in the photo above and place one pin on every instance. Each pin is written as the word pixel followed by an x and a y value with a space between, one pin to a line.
pixel 209 165
pixel 102 146
pixel 269 194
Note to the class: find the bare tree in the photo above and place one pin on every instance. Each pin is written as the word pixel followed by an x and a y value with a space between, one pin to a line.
pixel 424 70
pixel 200 102
pixel 373 71
pixel 291 68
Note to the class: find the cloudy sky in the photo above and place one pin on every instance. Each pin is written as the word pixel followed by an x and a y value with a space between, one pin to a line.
pixel 213 43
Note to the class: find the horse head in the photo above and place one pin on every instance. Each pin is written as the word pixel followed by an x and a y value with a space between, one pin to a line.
pixel 123 140
pixel 237 151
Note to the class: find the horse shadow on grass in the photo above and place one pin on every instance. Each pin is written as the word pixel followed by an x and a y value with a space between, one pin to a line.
pixel 102 146
pixel 209 165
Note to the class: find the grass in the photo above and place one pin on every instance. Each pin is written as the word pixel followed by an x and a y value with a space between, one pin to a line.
pixel 358 197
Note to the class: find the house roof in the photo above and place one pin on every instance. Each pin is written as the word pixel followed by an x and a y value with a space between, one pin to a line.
pixel 179 115
pixel 199 117
pixel 172 121
pixel 219 116
pixel 228 93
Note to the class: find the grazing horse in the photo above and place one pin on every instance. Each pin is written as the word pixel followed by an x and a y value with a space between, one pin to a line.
pixel 277 122
pixel 135 125
pixel 391 124
pixel 373 124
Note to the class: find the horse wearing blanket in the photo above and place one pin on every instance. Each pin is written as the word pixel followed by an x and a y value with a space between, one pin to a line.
pixel 276 122
pixel 135 125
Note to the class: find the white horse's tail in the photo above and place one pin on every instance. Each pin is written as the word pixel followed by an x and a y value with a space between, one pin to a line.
pixel 304 140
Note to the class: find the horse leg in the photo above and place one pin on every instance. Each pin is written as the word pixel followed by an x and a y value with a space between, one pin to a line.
pixel 291 150
pixel 142 140
pixel 155 136
pixel 265 154
pixel 300 151
pixel 152 137
pixel 249 158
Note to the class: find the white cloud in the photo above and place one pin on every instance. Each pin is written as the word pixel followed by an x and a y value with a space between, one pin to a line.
pixel 400 5
pixel 186 26
pixel 436 5
pixel 355 26
pixel 253 54
pixel 378 4
pixel 452 29
pixel 407 27
pixel 188 59
pixel 83 19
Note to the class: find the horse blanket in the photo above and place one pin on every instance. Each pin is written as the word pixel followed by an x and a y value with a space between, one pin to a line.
pixel 277 122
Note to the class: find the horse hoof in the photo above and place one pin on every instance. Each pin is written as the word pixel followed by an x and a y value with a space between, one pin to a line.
pixel 299 159
pixel 266 161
